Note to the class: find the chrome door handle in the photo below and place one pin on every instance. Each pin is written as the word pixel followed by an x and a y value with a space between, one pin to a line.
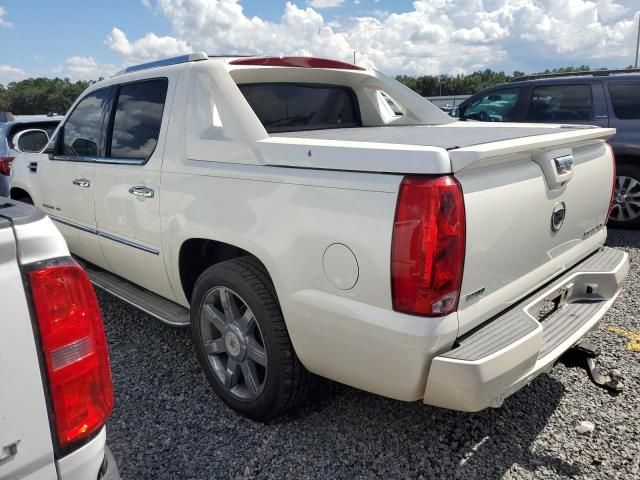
pixel 141 191
pixel 82 182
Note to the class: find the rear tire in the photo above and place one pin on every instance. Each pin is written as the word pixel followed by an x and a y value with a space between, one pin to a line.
pixel 242 341
pixel 626 203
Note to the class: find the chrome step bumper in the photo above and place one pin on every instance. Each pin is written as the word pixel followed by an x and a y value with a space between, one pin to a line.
pixel 498 358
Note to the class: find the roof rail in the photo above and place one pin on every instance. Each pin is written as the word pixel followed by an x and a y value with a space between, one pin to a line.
pixel 191 57
pixel 585 73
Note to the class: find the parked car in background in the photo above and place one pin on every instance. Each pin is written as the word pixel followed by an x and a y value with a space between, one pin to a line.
pixel 55 381
pixel 32 131
pixel 608 98
pixel 305 215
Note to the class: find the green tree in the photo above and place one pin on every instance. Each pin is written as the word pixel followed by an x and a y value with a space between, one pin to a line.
pixel 40 95
pixel 468 84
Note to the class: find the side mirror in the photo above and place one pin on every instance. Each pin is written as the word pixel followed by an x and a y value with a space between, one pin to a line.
pixel 31 141
pixel 454 112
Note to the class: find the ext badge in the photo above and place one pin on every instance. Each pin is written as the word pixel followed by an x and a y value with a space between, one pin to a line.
pixel 557 216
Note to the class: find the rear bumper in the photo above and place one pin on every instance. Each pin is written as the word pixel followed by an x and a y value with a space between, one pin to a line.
pixel 495 360
pixel 91 461
pixel 109 469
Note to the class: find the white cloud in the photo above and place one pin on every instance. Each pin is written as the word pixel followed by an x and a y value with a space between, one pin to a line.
pixel 435 36
pixel 84 68
pixel 326 3
pixel 146 48
pixel 10 74
pixel 3 22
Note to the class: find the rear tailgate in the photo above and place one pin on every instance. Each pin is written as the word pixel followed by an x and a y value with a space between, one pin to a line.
pixel 26 450
pixel 512 189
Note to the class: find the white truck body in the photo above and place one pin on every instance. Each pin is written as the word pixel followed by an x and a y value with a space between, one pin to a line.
pixel 317 208
pixel 27 451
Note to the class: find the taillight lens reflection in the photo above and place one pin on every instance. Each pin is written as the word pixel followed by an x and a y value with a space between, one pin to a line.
pixel 75 349
pixel 428 246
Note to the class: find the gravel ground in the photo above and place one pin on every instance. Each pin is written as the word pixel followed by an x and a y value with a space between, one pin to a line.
pixel 167 423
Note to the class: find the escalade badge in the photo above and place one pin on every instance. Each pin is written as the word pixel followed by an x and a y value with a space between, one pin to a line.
pixel 557 216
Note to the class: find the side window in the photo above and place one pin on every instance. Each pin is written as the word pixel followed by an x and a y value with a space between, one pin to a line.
pixel 561 103
pixel 496 106
pixel 81 132
pixel 625 98
pixel 137 119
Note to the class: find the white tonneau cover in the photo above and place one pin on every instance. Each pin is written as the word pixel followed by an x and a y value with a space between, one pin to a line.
pixel 433 149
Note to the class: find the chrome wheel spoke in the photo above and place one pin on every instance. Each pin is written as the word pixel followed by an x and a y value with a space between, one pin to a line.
pixel 215 317
pixel 214 347
pixel 229 306
pixel 250 377
pixel 256 352
pixel 231 374
pixel 245 321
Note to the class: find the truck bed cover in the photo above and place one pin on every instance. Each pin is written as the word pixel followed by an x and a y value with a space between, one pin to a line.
pixel 457 135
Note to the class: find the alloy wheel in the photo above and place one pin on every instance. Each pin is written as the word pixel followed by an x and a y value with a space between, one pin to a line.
pixel 626 201
pixel 233 343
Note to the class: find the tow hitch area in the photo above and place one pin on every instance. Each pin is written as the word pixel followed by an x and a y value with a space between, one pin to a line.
pixel 584 355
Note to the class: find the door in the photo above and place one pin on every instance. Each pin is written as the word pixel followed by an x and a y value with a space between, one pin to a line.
pixel 66 179
pixel 127 184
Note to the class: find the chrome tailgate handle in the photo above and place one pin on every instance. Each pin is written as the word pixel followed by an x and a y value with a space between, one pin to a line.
pixel 140 191
pixel 82 182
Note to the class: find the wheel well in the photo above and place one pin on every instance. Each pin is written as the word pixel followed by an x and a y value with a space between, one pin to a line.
pixel 627 159
pixel 198 254
pixel 18 194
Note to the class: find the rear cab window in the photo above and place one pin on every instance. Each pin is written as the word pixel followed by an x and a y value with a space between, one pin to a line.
pixel 625 99
pixel 289 107
pixel 495 106
pixel 561 103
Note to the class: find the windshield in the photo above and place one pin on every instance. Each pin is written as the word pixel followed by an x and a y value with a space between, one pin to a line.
pixel 288 107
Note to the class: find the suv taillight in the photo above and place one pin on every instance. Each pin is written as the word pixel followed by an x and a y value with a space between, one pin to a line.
pixel 5 165
pixel 613 188
pixel 427 252
pixel 75 349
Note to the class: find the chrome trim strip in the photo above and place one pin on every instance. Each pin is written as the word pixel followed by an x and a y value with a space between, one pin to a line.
pixel 108 236
pixel 79 226
pixel 101 160
pixel 129 243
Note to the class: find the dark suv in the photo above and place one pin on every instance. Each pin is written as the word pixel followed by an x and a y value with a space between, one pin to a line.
pixel 604 98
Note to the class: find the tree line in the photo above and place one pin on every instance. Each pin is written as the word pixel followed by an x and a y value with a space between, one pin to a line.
pixel 44 95
pixel 439 85
pixel 40 95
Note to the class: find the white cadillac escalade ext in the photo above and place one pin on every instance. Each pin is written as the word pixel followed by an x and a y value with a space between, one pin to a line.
pixel 308 216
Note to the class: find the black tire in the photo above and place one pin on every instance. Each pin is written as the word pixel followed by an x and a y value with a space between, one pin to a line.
pixel 630 171
pixel 286 382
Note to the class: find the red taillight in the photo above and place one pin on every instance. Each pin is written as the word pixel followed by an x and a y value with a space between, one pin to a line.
pixel 300 62
pixel 75 350
pixel 613 188
pixel 427 253
pixel 5 165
